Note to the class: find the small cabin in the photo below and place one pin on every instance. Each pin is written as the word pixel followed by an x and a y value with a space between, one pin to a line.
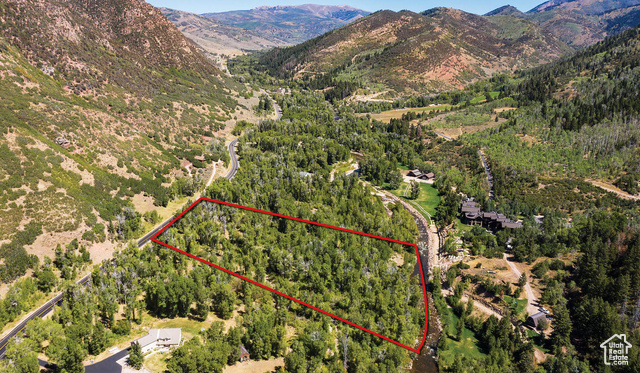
pixel 244 354
pixel 534 320
pixel 414 173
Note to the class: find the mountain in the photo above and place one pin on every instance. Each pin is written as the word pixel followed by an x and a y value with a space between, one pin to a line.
pixel 580 23
pixel 506 10
pixel 100 101
pixel 217 38
pixel 290 23
pixel 437 50
pixel 588 7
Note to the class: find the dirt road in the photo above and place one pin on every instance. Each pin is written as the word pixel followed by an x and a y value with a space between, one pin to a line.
pixel 532 302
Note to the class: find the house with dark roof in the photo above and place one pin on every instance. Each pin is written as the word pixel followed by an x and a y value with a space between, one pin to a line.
pixel 472 218
pixel 511 224
pixel 471 214
pixel 414 173
pixel 534 320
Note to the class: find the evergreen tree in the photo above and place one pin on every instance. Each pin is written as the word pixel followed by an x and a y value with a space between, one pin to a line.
pixel 135 356
pixel 560 337
pixel 414 190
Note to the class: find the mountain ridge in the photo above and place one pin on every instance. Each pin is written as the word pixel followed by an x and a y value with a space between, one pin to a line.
pixel 439 49
pixel 217 38
pixel 290 23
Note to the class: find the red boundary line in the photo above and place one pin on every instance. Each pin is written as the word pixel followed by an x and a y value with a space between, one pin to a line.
pixel 424 291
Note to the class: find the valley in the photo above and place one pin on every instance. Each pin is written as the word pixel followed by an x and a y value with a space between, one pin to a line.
pixel 504 145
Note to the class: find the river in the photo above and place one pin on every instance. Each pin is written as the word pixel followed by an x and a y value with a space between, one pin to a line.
pixel 426 362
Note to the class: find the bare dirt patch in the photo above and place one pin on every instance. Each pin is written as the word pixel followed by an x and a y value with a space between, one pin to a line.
pixel 255 366
pixel 143 203
pixel 614 189
pixel 398 259
pixel 501 109
pixel 459 131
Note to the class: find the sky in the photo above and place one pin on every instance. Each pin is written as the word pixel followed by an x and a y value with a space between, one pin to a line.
pixel 472 6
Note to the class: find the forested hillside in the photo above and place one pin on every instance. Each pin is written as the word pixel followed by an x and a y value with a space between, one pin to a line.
pixel 287 167
pixel 581 114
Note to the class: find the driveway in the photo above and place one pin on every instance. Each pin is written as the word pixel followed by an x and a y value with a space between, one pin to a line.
pixel 108 365
pixel 532 303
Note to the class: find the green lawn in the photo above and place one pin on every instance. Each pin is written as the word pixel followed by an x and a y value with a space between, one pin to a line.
pixel 494 95
pixel 426 203
pixel 533 336
pixel 403 167
pixel 342 167
pixel 521 304
pixel 461 227
pixel 467 346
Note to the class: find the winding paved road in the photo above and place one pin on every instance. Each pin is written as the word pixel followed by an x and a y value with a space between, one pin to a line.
pixel 40 312
pixel 107 365
pixel 278 110
pixel 443 136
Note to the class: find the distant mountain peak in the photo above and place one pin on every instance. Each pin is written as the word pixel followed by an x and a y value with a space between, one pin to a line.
pixel 504 10
pixel 291 23
pixel 588 7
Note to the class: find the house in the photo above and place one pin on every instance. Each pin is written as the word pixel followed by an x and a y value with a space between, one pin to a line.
pixel 534 320
pixel 200 158
pixel 244 354
pixel 470 209
pixel 511 224
pixel 429 176
pixel 160 338
pixel 472 218
pixel 616 350
pixel 471 214
pixel 414 173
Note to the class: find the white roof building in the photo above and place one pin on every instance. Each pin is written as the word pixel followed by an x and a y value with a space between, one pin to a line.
pixel 160 338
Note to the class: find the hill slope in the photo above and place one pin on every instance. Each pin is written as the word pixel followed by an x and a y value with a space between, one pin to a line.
pixel 99 101
pixel 589 7
pixel 217 38
pixel 290 23
pixel 439 49
pixel 572 121
pixel 580 23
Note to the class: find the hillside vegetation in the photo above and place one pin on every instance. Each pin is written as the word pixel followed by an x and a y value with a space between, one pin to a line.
pixel 437 50
pixel 98 102
pixel 580 23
